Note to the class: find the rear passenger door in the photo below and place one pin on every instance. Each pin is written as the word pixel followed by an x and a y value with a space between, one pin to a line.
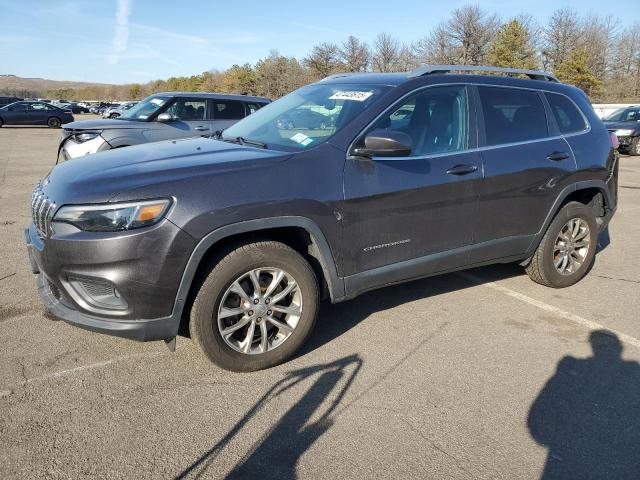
pixel 225 113
pixel 526 165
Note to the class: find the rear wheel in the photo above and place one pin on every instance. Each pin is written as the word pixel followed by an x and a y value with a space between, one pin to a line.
pixel 256 307
pixel 1 123
pixel 567 250
pixel 634 147
pixel 54 122
pixel 114 115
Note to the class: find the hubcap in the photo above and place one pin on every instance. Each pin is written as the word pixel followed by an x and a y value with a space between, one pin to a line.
pixel 571 246
pixel 260 310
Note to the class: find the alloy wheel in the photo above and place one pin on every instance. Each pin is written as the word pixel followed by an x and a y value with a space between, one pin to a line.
pixel 259 310
pixel 571 246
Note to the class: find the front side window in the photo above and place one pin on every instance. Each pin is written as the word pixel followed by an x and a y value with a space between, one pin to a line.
pixel 512 115
pixel 307 117
pixel 567 116
pixel 435 118
pixel 187 109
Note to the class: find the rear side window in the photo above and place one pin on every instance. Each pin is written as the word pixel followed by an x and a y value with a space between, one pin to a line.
pixel 253 107
pixel 567 116
pixel 512 115
pixel 227 110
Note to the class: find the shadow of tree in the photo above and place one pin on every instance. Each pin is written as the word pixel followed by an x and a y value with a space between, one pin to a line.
pixel 588 415
pixel 277 453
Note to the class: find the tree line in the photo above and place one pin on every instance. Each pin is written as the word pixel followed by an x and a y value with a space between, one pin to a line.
pixel 594 53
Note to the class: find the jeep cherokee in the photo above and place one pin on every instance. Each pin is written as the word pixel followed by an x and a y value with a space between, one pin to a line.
pixel 239 237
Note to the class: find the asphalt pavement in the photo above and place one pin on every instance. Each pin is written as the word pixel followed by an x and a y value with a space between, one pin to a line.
pixel 482 374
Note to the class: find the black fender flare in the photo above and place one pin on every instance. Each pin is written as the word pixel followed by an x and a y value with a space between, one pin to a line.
pixel 335 283
pixel 562 196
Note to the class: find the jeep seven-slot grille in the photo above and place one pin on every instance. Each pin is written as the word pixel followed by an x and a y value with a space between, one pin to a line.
pixel 42 209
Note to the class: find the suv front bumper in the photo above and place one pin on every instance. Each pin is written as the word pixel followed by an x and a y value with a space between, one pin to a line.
pixel 121 262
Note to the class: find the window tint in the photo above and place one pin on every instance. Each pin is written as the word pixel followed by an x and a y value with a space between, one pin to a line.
pixel 187 109
pixel 512 115
pixel 20 106
pixel 40 107
pixel 253 107
pixel 227 110
pixel 435 119
pixel 566 114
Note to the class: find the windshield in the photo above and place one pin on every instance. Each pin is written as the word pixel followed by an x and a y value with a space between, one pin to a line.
pixel 624 115
pixel 145 109
pixel 306 117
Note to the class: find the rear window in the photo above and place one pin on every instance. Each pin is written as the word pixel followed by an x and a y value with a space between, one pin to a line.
pixel 512 115
pixel 228 110
pixel 567 116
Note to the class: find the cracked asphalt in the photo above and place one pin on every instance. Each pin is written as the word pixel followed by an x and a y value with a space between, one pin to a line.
pixel 483 375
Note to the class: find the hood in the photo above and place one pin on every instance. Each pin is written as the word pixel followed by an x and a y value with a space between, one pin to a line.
pixel 105 124
pixel 621 125
pixel 101 177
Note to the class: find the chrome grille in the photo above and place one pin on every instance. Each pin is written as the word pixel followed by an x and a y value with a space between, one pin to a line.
pixel 42 209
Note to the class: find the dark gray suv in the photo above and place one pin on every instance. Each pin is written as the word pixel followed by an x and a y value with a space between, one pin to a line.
pixel 239 237
pixel 163 116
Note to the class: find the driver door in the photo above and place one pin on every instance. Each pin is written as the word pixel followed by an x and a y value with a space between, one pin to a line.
pixel 420 208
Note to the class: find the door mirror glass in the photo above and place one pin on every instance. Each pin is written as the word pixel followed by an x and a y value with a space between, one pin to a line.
pixel 385 143
pixel 165 117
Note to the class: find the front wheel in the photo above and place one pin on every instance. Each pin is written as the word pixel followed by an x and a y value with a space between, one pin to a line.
pixel 256 307
pixel 54 122
pixel 567 249
pixel 1 123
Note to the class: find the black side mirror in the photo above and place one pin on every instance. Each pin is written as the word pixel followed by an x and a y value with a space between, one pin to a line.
pixel 385 143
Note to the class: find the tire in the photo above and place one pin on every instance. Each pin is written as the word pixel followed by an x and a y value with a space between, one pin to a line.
pixel 542 268
pixel 54 122
pixel 634 147
pixel 114 115
pixel 218 289
pixel 1 123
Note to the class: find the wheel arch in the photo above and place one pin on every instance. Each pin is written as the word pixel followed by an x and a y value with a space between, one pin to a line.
pixel 587 192
pixel 297 232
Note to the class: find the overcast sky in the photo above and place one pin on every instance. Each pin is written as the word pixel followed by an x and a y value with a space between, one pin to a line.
pixel 122 41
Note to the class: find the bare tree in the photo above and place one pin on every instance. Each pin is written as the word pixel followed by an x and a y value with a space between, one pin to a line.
pixel 386 53
pixel 463 39
pixel 323 60
pixel 354 55
pixel 562 35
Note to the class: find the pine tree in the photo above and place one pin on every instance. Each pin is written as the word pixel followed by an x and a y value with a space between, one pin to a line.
pixel 575 70
pixel 512 47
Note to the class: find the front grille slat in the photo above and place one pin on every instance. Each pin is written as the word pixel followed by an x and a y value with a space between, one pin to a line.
pixel 42 209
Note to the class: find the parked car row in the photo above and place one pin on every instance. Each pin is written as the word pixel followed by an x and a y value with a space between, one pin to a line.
pixel 118 110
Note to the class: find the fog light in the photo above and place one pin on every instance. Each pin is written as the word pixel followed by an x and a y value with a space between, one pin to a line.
pixel 98 293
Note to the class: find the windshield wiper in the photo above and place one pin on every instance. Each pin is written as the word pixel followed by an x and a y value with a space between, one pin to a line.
pixel 243 141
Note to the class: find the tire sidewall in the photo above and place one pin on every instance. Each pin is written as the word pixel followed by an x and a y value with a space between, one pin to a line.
pixel 220 279
pixel 570 211
pixel 54 122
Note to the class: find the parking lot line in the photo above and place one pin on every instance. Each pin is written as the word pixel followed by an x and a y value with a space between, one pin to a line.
pixel 589 324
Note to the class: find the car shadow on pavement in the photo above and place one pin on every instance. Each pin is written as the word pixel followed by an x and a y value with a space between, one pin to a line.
pixel 588 415
pixel 276 454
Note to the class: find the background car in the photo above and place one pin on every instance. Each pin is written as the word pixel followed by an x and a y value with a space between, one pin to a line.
pixel 7 100
pixel 34 113
pixel 307 119
pixel 163 116
pixel 115 112
pixel 625 124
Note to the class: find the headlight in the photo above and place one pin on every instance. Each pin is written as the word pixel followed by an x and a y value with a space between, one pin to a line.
pixel 85 136
pixel 624 132
pixel 113 217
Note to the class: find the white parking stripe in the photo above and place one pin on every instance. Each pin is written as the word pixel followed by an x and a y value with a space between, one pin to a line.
pixel 589 324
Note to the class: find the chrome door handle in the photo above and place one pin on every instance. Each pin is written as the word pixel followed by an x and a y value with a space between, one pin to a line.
pixel 201 128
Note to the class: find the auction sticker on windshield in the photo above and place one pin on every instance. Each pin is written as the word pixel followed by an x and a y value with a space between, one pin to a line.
pixel 302 139
pixel 356 96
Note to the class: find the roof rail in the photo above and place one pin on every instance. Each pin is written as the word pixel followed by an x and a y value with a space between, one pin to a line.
pixel 339 75
pixel 431 69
